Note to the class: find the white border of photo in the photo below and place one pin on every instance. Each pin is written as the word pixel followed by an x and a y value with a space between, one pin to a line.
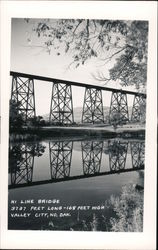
pixel 129 10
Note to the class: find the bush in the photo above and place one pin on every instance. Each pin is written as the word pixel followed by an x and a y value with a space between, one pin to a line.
pixel 127 209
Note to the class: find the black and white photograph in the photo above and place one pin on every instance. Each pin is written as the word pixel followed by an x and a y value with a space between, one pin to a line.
pixel 77 115
pixel 77 124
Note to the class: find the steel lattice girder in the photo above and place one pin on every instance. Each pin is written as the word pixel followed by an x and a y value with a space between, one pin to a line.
pixel 93 106
pixel 22 171
pixel 91 156
pixel 61 110
pixel 23 95
pixel 138 154
pixel 117 155
pixel 60 159
pixel 118 107
pixel 138 109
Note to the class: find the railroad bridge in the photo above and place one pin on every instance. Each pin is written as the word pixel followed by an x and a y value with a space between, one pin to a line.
pixel 61 109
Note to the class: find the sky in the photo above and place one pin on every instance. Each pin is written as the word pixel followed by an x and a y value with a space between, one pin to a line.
pixel 28 57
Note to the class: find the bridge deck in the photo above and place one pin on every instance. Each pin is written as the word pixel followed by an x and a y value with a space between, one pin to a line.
pixel 49 79
pixel 71 178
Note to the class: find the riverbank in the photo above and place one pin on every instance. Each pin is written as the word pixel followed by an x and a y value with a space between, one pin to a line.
pixel 126 131
pixel 93 131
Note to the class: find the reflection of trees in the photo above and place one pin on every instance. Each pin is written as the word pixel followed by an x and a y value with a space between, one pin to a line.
pixel 60 158
pixel 117 154
pixel 21 161
pixel 91 156
pixel 117 151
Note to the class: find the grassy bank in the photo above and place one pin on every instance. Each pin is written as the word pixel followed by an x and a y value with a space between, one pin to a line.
pixel 89 131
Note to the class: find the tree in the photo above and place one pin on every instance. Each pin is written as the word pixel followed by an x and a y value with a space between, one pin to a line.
pixel 131 66
pixel 127 210
pixel 124 42
pixel 15 118
pixel 117 119
pixel 36 121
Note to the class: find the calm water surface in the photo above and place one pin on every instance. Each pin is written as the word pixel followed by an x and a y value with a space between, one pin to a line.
pixel 77 173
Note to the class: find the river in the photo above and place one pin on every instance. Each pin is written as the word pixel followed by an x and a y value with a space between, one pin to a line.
pixel 72 180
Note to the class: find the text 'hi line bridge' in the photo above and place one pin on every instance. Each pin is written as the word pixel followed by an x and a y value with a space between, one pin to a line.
pixel 61 110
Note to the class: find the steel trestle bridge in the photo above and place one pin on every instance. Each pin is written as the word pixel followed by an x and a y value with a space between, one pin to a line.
pixel 61 109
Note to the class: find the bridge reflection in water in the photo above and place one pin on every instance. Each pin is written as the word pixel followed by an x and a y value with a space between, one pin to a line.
pixel 60 159
pixel 21 160
pixel 91 156
pixel 117 155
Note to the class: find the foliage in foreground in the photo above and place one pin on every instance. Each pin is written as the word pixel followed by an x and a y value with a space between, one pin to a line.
pixel 127 209
pixel 124 41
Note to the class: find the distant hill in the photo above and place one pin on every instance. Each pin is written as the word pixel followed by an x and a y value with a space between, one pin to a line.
pixel 78 113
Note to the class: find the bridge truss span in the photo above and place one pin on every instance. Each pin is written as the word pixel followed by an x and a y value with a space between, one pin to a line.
pixel 61 110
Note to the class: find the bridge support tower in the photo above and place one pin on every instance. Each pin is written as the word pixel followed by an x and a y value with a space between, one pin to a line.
pixel 93 106
pixel 118 108
pixel 61 110
pixel 21 168
pixel 138 109
pixel 117 155
pixel 91 156
pixel 23 95
pixel 137 154
pixel 60 159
